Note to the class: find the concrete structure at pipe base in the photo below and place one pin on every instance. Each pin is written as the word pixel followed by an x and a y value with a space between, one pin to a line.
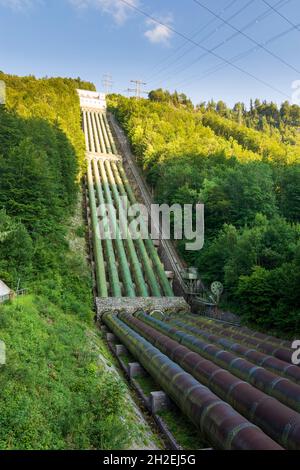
pixel 158 306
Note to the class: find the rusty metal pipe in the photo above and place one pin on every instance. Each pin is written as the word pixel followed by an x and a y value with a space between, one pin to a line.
pixel 280 352
pixel 279 421
pixel 281 388
pixel 222 426
pixel 290 371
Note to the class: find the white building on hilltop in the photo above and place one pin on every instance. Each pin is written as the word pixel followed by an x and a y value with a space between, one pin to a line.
pixel 5 292
pixel 92 99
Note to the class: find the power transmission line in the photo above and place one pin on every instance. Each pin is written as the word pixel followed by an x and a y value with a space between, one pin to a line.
pixel 213 20
pixel 184 36
pixel 239 31
pixel 107 83
pixel 281 15
pixel 128 90
pixel 226 40
pixel 240 56
pixel 211 33
pixel 258 18
pixel 138 88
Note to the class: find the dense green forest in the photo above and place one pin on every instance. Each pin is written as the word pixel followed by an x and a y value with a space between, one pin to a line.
pixel 58 390
pixel 244 165
pixel 39 171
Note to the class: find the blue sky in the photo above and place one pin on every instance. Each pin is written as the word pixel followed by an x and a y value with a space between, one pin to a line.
pixel 89 38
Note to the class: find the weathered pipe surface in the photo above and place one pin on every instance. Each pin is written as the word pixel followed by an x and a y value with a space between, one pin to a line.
pixel 114 281
pixel 97 244
pixel 248 332
pixel 283 353
pixel 222 426
pixel 272 363
pixel 129 243
pixel 145 260
pixel 124 245
pixel 111 139
pixel 104 133
pixel 279 421
pixel 157 264
pixel 263 337
pixel 285 391
pixel 240 395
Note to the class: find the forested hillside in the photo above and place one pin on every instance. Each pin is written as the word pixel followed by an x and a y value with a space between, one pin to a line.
pixel 245 167
pixel 58 389
pixel 39 171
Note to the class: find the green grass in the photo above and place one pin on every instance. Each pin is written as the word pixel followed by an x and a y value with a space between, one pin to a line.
pixel 55 393
pixel 147 384
pixel 126 359
pixel 185 433
pixel 60 388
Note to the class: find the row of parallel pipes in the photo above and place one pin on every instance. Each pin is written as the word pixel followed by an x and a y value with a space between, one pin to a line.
pixel 283 353
pixel 98 140
pixel 281 388
pixel 219 423
pixel 97 243
pixel 133 267
pixel 117 188
pixel 109 252
pixel 264 337
pixel 167 290
pixel 211 333
pixel 129 245
pixel 248 399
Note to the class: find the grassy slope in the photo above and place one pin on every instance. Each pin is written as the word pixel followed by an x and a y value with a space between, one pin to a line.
pixel 59 387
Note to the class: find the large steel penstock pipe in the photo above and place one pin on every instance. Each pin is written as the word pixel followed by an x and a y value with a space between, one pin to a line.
pixel 222 426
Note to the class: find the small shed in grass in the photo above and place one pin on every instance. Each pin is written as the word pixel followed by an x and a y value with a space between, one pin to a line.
pixel 5 292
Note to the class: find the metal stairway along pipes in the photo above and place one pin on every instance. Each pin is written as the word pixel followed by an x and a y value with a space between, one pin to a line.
pixel 222 426
pixel 276 419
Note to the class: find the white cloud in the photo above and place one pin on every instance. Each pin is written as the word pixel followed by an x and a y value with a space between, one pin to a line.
pixel 116 8
pixel 158 33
